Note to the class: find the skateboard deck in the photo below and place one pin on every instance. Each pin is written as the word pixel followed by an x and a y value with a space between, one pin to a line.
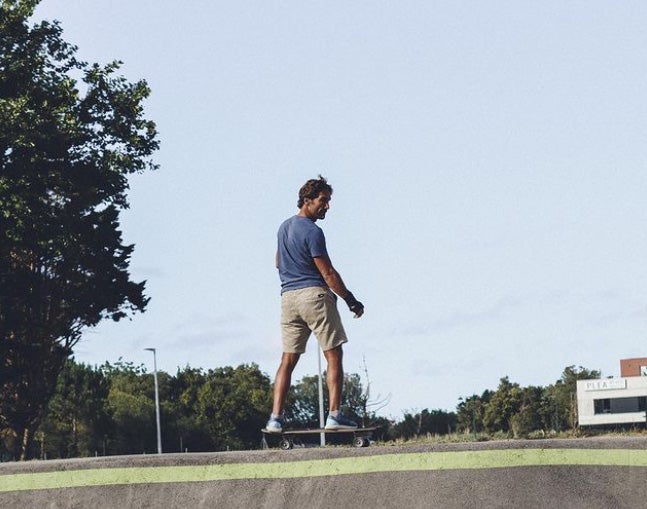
pixel 287 439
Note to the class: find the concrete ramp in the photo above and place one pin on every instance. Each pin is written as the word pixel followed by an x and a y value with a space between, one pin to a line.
pixel 585 473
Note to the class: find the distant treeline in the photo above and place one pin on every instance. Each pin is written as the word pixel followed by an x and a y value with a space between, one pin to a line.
pixel 110 410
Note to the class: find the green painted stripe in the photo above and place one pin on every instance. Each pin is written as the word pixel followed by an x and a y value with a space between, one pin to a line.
pixel 427 461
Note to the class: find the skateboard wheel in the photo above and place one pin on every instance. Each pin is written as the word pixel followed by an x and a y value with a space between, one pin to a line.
pixel 286 444
pixel 360 442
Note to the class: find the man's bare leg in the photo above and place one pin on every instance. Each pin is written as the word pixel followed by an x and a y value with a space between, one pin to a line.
pixel 335 380
pixel 334 377
pixel 283 381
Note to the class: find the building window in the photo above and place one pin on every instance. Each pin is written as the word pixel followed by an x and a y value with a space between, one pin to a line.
pixel 602 406
pixel 620 405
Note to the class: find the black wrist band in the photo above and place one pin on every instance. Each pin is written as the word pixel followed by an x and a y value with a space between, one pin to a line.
pixel 350 298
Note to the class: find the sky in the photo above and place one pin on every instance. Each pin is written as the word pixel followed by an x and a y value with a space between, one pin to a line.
pixel 488 166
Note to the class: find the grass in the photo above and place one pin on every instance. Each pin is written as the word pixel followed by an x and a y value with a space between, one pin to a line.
pixel 535 435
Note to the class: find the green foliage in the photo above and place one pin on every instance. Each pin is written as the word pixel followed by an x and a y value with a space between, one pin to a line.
pixel 183 429
pixel 561 397
pixel 111 410
pixel 525 411
pixel 470 413
pixel 302 408
pixel 122 369
pixel 77 416
pixel 504 403
pixel 434 422
pixel 529 416
pixel 134 423
pixel 132 406
pixel 70 135
pixel 234 404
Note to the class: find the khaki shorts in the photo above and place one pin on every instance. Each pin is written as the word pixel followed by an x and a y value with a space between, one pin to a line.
pixel 310 310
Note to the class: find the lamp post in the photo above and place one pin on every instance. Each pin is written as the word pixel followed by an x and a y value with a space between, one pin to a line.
pixel 322 436
pixel 157 402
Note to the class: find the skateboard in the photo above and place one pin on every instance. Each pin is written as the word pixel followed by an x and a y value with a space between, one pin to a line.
pixel 287 439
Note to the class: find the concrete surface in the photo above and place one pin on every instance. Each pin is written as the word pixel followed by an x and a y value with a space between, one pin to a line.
pixel 582 473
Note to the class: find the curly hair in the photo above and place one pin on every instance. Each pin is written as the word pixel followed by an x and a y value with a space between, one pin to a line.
pixel 312 188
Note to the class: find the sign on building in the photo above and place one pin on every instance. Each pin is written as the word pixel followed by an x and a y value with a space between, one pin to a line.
pixel 609 384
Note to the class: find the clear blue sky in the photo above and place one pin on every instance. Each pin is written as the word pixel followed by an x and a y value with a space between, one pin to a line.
pixel 488 161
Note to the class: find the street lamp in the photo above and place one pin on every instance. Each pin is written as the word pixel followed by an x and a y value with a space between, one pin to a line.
pixel 157 402
pixel 322 436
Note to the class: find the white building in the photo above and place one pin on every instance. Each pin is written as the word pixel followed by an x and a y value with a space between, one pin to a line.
pixel 610 401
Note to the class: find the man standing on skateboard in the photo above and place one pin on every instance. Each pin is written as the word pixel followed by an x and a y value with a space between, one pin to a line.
pixel 308 304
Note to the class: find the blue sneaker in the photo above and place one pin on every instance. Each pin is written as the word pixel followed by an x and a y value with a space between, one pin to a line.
pixel 274 425
pixel 339 422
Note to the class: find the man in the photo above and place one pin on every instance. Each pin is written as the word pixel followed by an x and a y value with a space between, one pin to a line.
pixel 308 304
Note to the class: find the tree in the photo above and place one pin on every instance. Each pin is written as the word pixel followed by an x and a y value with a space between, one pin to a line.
pixel 182 426
pixel 434 422
pixel 523 410
pixel 65 158
pixel 503 405
pixel 530 416
pixel 302 408
pixel 470 413
pixel 132 408
pixel 234 404
pixel 562 397
pixel 77 419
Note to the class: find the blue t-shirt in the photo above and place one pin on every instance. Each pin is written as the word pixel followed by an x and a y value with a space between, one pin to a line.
pixel 300 240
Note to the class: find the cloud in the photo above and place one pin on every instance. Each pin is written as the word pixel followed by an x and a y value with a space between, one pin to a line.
pixel 461 319
pixel 611 308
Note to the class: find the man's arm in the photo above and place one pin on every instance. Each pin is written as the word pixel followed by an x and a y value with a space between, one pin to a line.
pixel 336 284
